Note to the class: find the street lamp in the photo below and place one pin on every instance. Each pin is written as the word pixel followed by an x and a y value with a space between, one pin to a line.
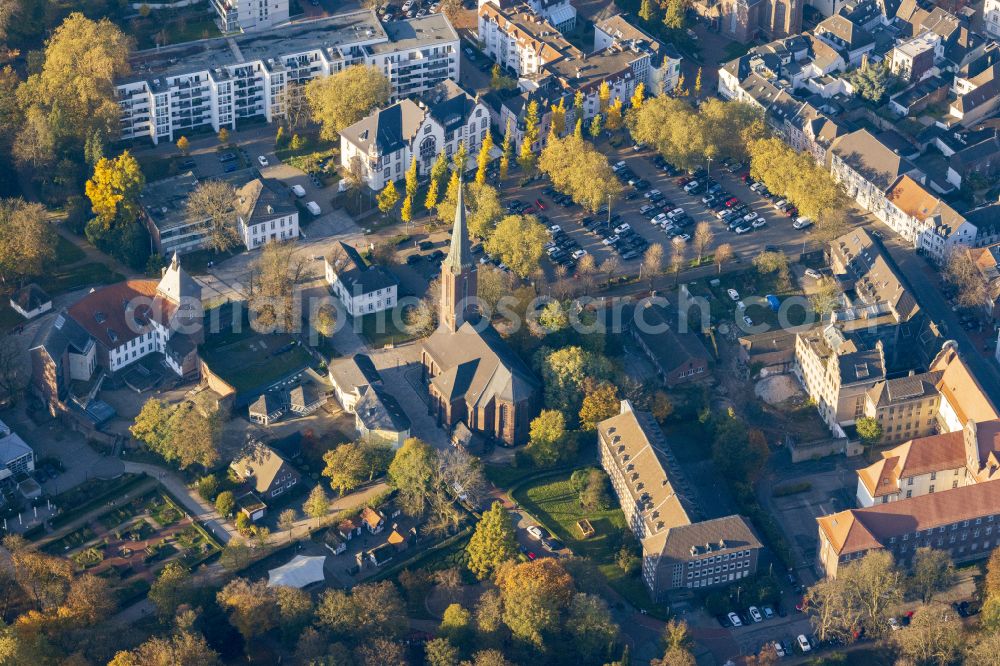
pixel 708 170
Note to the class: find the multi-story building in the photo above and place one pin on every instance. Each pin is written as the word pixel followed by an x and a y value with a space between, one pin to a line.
pixel 222 82
pixel 862 265
pixel 867 168
pixel 904 407
pixel 16 457
pixel 388 139
pixel 361 287
pixel 925 220
pixel 744 20
pixel 664 64
pixel 964 522
pixel 679 552
pixel 264 213
pixel 936 463
pixel 991 18
pixel 250 15
pixel 837 371
pixel 113 327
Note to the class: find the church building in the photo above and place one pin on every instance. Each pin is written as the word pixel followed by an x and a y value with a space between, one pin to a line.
pixel 472 376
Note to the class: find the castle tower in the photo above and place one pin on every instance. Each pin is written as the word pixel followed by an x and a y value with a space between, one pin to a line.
pixel 458 273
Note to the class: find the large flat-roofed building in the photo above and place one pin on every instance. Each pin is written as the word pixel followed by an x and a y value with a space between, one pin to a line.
pixel 965 522
pixel 679 551
pixel 220 82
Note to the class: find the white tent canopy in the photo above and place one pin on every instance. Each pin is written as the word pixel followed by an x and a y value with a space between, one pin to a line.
pixel 301 571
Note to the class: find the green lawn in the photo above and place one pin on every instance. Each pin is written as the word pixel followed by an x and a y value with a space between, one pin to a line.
pixel 386 327
pixel 554 502
pixel 67 252
pixel 59 279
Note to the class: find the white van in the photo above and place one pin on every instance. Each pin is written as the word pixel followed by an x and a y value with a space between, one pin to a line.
pixel 801 223
pixel 298 190
pixel 313 208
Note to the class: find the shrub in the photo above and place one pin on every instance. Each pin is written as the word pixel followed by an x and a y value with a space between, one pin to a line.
pixel 791 489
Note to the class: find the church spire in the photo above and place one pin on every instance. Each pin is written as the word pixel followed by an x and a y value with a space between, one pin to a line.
pixel 459 256
pixel 458 273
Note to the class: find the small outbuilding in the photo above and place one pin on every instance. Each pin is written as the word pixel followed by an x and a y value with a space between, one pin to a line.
pixel 30 301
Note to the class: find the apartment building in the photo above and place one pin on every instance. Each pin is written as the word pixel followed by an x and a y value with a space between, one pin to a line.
pixel 861 265
pixel 249 15
pixel 679 551
pixel 361 287
pixel 905 407
pixel 664 63
pixel 388 139
pixel 925 220
pixel 221 82
pixel 991 18
pixel 867 168
pixel 963 522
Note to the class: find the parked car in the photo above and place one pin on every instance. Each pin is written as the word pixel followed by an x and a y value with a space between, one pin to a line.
pixel 622 228
pixel 753 610
pixel 743 229
pixel 804 643
pixel 579 254
pixel 555 229
pixel 778 650
pixel 733 294
pixel 758 223
pixel 653 194
pixel 539 204
pixel 537 532
pixel 611 240
pixel 768 612
pixel 734 619
pixel 801 223
pixel 692 187
pixel 262 160
pixel 751 216
pixel 298 190
pixel 813 273
pixel 645 209
pixel 313 208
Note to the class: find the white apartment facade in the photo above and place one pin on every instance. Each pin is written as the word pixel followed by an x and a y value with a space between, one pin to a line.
pixel 249 15
pixel 991 18
pixel 362 288
pixel 176 89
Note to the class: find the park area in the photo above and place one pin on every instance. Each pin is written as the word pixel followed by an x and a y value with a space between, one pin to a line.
pixel 132 539
pixel 249 360
pixel 555 502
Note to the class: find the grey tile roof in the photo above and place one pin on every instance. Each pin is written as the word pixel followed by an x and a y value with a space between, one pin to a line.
pixel 261 200
pixel 719 535
pixel 357 275
pixel 354 372
pixel 378 410
pixel 866 155
pixel 386 130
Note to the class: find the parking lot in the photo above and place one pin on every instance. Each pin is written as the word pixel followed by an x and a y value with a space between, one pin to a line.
pixel 579 230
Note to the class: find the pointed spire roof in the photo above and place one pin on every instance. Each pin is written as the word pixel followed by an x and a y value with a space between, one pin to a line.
pixel 459 256
pixel 176 284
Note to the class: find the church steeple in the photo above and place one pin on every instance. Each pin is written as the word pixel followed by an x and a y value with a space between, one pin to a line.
pixel 458 273
pixel 459 256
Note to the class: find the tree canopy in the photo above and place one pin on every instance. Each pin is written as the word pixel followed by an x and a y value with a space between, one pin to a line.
pixel 346 97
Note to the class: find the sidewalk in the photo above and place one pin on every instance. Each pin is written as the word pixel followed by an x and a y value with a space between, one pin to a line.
pixel 345 503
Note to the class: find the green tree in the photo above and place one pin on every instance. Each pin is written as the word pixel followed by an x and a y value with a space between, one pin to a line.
pixel 412 473
pixel 225 503
pixel 208 487
pixel 286 521
pixel 646 11
pixel 869 430
pixel 873 81
pixel 548 435
pixel 171 588
pixel 593 631
pixel 317 504
pixel 932 572
pixel 599 403
pixel 596 126
pixel 223 135
pixel 519 242
pixel 526 156
pixel 114 189
pixel 565 372
pixel 535 595
pixel 388 198
pixel 412 179
pixel 774 262
pixel 456 625
pixel 346 97
pixel 492 543
pixel 483 159
pixel 577 168
pixel 440 652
